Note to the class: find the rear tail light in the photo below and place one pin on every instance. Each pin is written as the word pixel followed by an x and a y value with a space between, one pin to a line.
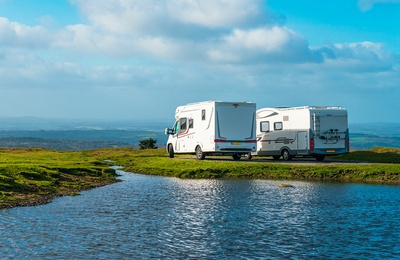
pixel 312 144
pixel 251 141
pixel 219 141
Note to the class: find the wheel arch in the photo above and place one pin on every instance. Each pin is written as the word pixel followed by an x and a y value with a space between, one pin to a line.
pixel 198 144
pixel 168 146
pixel 286 155
pixel 285 148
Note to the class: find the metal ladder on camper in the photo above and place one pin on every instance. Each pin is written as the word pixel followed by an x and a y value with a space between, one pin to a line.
pixel 317 125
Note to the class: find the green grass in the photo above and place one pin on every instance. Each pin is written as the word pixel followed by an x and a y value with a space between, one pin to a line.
pixel 375 155
pixel 385 167
pixel 35 176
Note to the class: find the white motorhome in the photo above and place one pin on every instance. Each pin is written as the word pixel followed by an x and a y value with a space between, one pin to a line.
pixel 302 131
pixel 213 128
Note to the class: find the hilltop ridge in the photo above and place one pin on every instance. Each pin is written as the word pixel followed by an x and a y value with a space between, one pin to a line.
pixel 69 134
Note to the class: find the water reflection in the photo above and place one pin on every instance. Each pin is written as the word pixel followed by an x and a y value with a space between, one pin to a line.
pixel 155 217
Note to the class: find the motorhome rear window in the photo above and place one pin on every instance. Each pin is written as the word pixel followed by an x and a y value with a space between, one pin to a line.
pixel 203 114
pixel 264 126
pixel 278 126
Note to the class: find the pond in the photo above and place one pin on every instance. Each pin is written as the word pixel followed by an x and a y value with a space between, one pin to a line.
pixel 147 217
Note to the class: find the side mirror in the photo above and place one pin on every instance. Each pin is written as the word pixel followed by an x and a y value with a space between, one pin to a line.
pixel 169 131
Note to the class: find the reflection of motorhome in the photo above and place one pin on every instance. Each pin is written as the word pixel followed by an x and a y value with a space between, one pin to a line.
pixel 213 128
pixel 302 131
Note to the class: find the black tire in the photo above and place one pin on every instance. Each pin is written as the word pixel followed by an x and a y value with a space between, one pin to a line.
pixel 320 158
pixel 286 155
pixel 171 151
pixel 236 156
pixel 276 157
pixel 248 156
pixel 199 153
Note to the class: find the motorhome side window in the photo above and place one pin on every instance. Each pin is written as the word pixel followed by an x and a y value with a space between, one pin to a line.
pixel 203 114
pixel 182 125
pixel 264 126
pixel 176 127
pixel 278 126
pixel 191 123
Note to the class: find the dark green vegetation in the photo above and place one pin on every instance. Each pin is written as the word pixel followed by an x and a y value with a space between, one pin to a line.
pixel 32 176
pixel 148 144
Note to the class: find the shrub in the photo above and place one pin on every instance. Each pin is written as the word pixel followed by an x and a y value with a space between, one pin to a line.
pixel 148 144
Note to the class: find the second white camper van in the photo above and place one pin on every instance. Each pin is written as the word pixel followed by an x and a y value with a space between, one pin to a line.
pixel 302 131
pixel 213 128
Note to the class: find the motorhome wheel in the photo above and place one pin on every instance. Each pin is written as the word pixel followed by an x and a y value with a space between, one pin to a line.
pixel 286 155
pixel 236 156
pixel 248 156
pixel 171 151
pixel 199 153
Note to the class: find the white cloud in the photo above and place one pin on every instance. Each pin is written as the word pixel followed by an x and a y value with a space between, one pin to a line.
pixel 18 35
pixel 185 30
pixel 85 39
pixel 158 16
pixel 123 16
pixel 135 28
pixel 88 39
pixel 267 45
pixel 264 40
pixel 127 29
pixel 215 13
pixel 137 48
pixel 359 57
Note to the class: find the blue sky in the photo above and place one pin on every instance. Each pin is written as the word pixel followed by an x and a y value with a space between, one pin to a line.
pixel 140 59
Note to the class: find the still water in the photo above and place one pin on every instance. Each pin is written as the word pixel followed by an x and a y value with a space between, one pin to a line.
pixel 151 217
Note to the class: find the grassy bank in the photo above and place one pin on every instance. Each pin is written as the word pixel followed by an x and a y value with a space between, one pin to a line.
pixel 384 167
pixel 374 155
pixel 34 176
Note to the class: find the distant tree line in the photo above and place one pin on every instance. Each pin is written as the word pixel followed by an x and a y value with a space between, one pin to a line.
pixel 58 144
pixel 66 144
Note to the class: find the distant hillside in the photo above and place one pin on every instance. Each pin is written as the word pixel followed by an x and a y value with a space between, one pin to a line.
pixel 126 136
pixel 78 134
pixel 57 144
pixel 362 136
pixel 36 124
pixel 365 136
pixel 78 139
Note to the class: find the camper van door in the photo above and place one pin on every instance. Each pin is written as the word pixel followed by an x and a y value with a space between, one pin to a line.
pixel 302 142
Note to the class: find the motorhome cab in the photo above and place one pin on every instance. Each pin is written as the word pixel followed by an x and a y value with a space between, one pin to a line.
pixel 302 131
pixel 213 128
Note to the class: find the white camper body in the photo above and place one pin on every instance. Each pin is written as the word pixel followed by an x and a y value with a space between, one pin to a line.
pixel 302 131
pixel 213 128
